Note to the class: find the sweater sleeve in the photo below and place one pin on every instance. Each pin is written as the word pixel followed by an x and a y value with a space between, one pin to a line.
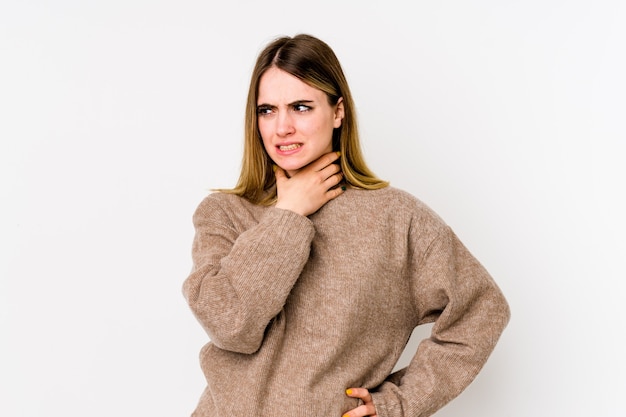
pixel 240 281
pixel 452 289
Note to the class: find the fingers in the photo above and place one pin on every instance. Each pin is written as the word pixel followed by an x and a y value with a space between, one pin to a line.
pixel 323 165
pixel 308 189
pixel 367 409
pixel 279 173
pixel 361 411
pixel 328 173
pixel 332 177
pixel 322 170
pixel 361 393
pixel 324 161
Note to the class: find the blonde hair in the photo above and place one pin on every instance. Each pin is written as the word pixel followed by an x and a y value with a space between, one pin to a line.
pixel 314 62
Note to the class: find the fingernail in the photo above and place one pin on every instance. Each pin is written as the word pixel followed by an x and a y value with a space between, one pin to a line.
pixel 349 391
pixel 338 153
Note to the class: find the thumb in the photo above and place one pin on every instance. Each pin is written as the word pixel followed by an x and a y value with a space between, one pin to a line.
pixel 279 173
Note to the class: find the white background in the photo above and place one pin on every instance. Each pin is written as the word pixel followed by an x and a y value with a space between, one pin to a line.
pixel 117 117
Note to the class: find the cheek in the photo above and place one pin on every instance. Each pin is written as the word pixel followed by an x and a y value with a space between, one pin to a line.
pixel 264 133
pixel 267 146
pixel 315 128
pixel 262 129
pixel 324 131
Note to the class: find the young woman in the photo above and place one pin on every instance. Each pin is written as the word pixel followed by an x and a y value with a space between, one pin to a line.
pixel 310 275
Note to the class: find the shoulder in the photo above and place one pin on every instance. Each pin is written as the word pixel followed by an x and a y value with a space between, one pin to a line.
pixel 219 205
pixel 395 207
pixel 217 200
pixel 391 199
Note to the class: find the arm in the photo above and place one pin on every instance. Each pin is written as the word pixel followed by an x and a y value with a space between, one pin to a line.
pixel 453 289
pixel 239 282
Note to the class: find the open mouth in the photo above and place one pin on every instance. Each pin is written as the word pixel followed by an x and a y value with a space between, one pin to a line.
pixel 290 147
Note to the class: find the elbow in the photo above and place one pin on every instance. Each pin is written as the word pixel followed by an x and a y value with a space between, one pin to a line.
pixel 236 342
pixel 502 310
pixel 230 332
pixel 498 314
pixel 506 314
pixel 229 325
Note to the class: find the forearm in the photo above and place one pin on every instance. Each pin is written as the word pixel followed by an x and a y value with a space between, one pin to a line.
pixel 240 283
pixel 470 313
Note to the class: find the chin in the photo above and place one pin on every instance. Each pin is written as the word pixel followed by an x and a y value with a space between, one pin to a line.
pixel 292 168
pixel 292 165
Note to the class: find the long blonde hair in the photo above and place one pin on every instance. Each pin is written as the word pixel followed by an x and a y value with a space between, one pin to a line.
pixel 314 62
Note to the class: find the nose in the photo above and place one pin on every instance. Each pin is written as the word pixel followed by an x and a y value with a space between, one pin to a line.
pixel 284 124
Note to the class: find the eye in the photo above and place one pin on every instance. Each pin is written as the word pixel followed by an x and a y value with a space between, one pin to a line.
pixel 301 108
pixel 263 110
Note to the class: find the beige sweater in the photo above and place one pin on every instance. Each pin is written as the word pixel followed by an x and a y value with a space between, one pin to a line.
pixel 300 308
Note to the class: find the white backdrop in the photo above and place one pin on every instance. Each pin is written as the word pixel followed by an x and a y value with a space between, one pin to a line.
pixel 117 116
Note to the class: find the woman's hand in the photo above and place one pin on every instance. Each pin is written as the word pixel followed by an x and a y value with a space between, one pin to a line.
pixel 311 187
pixel 367 409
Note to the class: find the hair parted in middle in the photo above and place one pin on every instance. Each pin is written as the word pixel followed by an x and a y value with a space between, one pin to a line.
pixel 313 62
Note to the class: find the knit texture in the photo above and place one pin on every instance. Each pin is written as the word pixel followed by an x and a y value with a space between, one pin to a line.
pixel 298 308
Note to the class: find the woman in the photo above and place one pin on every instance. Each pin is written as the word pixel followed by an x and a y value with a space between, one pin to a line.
pixel 310 275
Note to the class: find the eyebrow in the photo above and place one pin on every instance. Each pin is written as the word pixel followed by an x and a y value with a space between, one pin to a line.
pixel 293 103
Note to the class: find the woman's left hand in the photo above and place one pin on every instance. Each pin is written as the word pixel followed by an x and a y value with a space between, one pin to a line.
pixel 367 409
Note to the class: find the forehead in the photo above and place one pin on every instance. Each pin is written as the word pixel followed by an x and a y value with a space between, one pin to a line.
pixel 277 86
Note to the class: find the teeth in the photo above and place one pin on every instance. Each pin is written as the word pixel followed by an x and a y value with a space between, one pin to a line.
pixel 289 147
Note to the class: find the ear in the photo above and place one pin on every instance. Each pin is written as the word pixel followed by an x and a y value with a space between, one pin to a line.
pixel 339 113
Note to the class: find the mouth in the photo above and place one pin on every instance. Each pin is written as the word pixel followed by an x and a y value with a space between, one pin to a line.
pixel 290 147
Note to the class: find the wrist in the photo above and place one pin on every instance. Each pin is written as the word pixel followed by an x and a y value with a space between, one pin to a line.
pixel 284 206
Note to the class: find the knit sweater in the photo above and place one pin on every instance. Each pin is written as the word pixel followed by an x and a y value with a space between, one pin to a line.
pixel 299 308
